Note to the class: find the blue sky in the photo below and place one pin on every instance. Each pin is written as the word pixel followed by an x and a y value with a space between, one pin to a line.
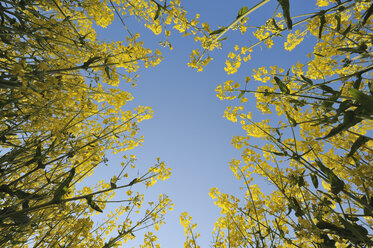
pixel 188 131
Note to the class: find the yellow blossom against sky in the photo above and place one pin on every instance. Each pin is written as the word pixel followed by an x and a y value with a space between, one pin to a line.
pixel 167 123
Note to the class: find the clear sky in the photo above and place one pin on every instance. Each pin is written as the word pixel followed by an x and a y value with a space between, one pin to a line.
pixel 188 131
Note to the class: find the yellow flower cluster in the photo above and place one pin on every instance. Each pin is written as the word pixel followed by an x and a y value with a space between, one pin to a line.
pixel 310 151
pixel 70 113
pixel 158 172
pixel 226 90
pixel 294 39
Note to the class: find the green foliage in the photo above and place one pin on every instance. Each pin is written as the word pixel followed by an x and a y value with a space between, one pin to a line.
pixel 285 5
pixel 242 11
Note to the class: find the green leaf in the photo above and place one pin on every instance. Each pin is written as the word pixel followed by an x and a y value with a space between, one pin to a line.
pixel 349 120
pixel 107 68
pixel 298 103
pixel 328 89
pixel 282 154
pixel 21 219
pixel 364 200
pixel 318 54
pixel 358 231
pixel 348 29
pixel 218 31
pixel 300 181
pixel 241 94
pixel 63 187
pixel 367 14
pixel 323 168
pixel 38 151
pixel 242 11
pixel 286 12
pixel 357 144
pixel 295 205
pixel 327 242
pixel 349 49
pixel 367 212
pixel 344 106
pixel 314 180
pixel 292 180
pixel 357 83
pixel 351 217
pixel 336 184
pixel 25 204
pixel 107 71
pixel 90 61
pixel 282 86
pixel 276 26
pixel 23 195
pixel 133 181
pixel 365 100
pixel 290 209
pixel 326 225
pixel 39 158
pixel 307 80
pixel 322 22
pixel 328 103
pixel 335 130
pixel 93 204
pixel 157 13
pixel 338 18
pixel 224 38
